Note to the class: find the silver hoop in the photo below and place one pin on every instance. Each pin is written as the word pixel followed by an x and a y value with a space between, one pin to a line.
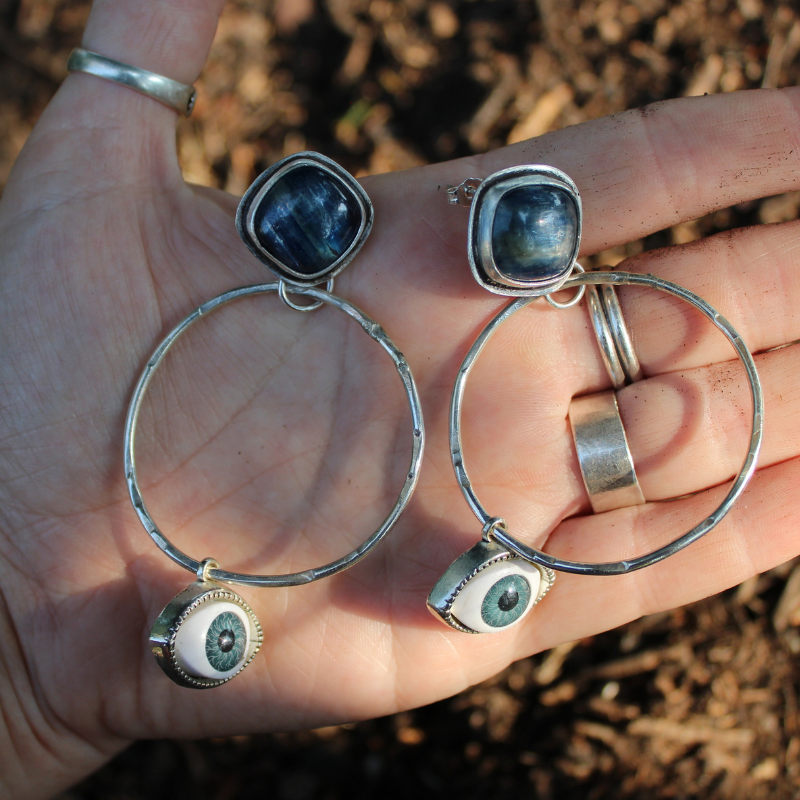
pixel 283 294
pixel 178 96
pixel 544 560
pixel 208 570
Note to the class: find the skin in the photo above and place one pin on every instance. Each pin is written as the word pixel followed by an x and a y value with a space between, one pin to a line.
pixel 275 441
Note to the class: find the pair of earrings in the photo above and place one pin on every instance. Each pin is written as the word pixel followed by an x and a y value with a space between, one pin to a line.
pixel 306 218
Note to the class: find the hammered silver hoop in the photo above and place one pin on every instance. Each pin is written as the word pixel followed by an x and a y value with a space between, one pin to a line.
pixel 747 470
pixel 208 570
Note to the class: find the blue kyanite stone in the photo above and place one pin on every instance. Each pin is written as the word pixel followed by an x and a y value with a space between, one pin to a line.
pixel 534 232
pixel 307 220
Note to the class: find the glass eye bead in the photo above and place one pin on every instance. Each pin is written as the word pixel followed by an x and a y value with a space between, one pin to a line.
pixel 205 636
pixel 487 590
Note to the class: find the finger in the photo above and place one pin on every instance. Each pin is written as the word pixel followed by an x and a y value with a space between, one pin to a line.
pixel 669 162
pixel 759 533
pixel 687 431
pixel 638 172
pixel 95 126
pixel 547 356
pixel 172 38
pixel 690 430
pixel 750 275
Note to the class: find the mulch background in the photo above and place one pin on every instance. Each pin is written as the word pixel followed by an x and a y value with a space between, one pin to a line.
pixel 700 702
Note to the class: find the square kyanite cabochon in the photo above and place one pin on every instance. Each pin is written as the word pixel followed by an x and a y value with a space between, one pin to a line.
pixel 305 218
pixel 524 230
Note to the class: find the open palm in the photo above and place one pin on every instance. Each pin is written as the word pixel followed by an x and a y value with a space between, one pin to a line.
pixel 276 441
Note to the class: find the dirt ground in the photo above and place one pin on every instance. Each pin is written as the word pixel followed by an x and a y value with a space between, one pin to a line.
pixel 701 702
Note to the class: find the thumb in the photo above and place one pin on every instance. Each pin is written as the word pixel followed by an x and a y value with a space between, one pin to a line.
pixel 98 133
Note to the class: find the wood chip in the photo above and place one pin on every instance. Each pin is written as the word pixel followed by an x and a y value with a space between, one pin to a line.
pixel 546 111
pixel 706 79
pixel 787 612
pixel 550 668
pixel 690 733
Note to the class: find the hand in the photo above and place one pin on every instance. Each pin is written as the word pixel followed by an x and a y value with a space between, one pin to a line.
pixel 276 441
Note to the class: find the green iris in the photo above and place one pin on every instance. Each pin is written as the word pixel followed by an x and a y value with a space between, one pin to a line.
pixel 225 641
pixel 506 601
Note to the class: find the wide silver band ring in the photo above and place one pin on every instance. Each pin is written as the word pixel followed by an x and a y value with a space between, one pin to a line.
pixel 604 457
pixel 374 331
pixel 178 96
pixel 746 472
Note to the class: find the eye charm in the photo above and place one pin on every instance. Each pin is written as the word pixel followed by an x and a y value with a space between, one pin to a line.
pixel 487 590
pixel 205 636
pixel 305 218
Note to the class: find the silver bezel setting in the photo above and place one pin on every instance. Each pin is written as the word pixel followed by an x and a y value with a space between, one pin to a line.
pixel 463 570
pixel 166 627
pixel 481 220
pixel 245 216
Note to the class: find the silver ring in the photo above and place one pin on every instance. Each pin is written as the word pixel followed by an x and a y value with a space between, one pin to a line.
pixel 283 293
pixel 574 300
pixel 613 339
pixel 619 333
pixel 605 339
pixel 179 97
pixel 296 578
pixel 711 521
pixel 604 457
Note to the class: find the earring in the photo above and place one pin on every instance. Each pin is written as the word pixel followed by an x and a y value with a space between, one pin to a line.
pixel 523 242
pixel 305 218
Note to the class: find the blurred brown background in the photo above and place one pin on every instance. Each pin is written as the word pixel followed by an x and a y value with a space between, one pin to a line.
pixel 699 702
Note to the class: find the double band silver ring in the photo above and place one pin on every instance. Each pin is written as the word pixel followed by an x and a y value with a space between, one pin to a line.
pixel 616 348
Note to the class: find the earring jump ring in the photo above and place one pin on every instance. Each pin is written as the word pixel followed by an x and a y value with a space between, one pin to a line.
pixel 283 293
pixel 208 570
pixel 574 300
pixel 538 557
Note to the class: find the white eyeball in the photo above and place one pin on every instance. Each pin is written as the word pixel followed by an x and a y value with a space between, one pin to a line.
pixel 205 636
pixel 488 589
pixel 498 597
pixel 213 641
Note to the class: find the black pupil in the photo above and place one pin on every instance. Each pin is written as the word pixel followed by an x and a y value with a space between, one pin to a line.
pixel 227 639
pixel 508 599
